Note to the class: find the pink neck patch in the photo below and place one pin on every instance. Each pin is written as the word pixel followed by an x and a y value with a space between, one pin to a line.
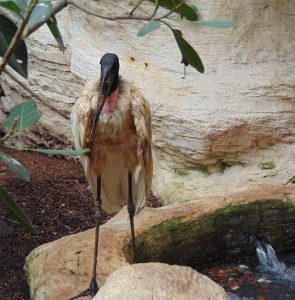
pixel 112 102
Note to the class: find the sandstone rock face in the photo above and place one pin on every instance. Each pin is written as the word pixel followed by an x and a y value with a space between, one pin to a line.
pixel 235 118
pixel 161 282
pixel 193 233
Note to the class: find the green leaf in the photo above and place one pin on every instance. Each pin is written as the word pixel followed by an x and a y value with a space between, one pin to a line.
pixel 16 166
pixel 22 4
pixel 11 5
pixel 15 210
pixel 149 27
pixel 61 152
pixel 24 114
pixel 217 23
pixel 42 12
pixel 194 8
pixel 189 12
pixel 189 55
pixel 52 24
pixel 19 59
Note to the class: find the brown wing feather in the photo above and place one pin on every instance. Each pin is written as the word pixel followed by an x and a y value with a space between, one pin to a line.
pixel 142 120
pixel 81 119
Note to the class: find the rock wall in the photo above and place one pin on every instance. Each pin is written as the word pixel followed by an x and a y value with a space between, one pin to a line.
pixel 235 122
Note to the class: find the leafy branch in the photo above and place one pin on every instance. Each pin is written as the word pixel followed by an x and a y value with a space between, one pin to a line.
pixel 189 12
pixel 51 8
pixel 21 117
pixel 30 15
pixel 27 17
pixel 18 34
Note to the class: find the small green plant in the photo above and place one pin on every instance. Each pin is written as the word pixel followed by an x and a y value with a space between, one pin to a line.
pixel 181 172
pixel 222 164
pixel 72 272
pixel 200 168
pixel 267 166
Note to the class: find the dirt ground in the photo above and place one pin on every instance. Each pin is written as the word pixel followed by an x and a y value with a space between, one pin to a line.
pixel 58 202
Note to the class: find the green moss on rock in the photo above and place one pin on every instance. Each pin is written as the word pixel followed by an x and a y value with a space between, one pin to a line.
pixel 221 235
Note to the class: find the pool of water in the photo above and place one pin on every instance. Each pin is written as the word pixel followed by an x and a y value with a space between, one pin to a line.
pixel 272 278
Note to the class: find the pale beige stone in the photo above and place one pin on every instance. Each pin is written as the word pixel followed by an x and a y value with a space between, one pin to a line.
pixel 160 282
pixel 61 269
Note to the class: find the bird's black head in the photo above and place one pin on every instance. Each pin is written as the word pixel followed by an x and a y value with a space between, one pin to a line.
pixel 109 73
pixel 109 82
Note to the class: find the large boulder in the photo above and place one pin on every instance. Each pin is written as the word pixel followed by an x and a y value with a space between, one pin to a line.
pixel 235 121
pixel 161 282
pixel 192 234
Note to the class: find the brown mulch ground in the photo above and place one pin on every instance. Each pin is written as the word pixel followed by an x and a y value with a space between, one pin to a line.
pixel 58 202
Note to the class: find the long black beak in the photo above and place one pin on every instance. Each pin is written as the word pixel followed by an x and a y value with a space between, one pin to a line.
pixel 105 86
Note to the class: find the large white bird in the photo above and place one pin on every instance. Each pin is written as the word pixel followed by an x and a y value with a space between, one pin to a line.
pixel 113 118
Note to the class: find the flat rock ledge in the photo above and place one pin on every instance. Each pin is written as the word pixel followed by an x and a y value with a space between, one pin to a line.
pixel 194 233
pixel 159 281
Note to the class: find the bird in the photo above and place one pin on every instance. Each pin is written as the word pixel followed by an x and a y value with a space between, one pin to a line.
pixel 113 119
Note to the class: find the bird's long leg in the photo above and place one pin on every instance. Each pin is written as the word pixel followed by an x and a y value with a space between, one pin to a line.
pixel 93 287
pixel 131 211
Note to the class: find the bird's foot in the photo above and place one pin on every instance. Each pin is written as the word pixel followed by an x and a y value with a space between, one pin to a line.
pixel 91 291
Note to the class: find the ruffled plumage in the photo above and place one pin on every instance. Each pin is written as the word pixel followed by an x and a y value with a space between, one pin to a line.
pixel 122 143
